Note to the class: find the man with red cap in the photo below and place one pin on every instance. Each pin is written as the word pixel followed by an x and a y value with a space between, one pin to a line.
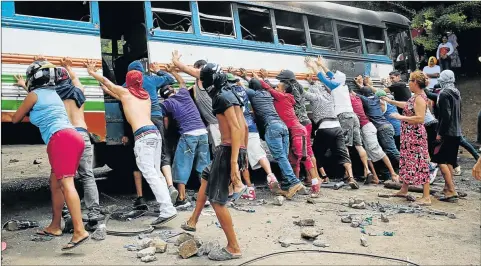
pixel 148 143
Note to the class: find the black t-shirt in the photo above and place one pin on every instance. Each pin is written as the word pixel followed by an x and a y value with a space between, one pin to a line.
pixel 401 93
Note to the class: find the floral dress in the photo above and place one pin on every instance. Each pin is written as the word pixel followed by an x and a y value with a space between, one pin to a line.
pixel 414 161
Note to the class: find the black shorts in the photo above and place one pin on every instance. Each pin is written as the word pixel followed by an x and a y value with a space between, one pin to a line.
pixel 166 157
pixel 446 152
pixel 217 173
pixel 225 99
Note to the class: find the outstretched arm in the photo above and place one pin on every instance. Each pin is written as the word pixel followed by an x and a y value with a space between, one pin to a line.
pixel 393 102
pixel 66 62
pixel 92 70
pixel 183 67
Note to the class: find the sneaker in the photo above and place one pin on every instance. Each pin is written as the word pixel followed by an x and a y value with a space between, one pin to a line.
pixel 140 204
pixel 273 184
pixel 315 190
pixel 94 215
pixel 160 220
pixel 457 171
pixel 182 203
pixel 250 194
pixel 173 194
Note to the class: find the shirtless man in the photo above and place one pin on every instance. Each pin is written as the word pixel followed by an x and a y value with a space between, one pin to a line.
pixel 71 91
pixel 136 104
pixel 226 106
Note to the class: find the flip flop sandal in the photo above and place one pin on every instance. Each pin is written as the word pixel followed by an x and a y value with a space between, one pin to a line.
pixel 451 199
pixel 369 178
pixel 353 184
pixel 75 244
pixel 187 227
pixel 237 195
pixel 423 204
pixel 45 233
pixel 222 254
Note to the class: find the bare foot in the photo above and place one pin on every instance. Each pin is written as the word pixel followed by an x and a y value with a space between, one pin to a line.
pixel 233 251
pixel 400 194
pixel 424 201
pixel 76 238
pixel 51 230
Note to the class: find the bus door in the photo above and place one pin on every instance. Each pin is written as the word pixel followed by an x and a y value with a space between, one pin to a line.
pixel 402 52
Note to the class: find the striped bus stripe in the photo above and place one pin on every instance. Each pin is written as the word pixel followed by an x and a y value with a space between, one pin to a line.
pixel 12 105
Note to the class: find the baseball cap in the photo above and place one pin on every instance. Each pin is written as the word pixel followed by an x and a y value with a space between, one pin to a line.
pixel 231 78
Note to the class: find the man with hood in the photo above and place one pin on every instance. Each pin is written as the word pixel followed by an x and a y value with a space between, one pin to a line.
pixel 343 108
pixel 301 113
pixel 449 132
pixel 152 84
pixel 215 182
pixel 193 145
pixel 148 141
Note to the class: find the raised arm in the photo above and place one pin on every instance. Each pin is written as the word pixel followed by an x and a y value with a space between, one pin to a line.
pixel 180 80
pixel 92 70
pixel 183 67
pixel 66 62
pixel 162 77
pixel 25 107
pixel 109 92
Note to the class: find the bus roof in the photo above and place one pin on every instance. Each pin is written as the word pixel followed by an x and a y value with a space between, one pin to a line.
pixel 338 12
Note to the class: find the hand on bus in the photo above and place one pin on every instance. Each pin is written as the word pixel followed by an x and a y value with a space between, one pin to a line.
pixel 254 75
pixel 176 56
pixel 154 67
pixel 243 72
pixel 309 63
pixel 169 68
pixel 320 61
pixel 231 70
pixel 39 58
pixel 66 62
pixel 20 81
pixel 91 66
pixel 263 73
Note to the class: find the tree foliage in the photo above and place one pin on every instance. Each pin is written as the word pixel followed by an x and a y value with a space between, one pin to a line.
pixel 437 20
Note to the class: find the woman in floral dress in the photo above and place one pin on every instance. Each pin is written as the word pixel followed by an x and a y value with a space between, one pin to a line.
pixel 414 162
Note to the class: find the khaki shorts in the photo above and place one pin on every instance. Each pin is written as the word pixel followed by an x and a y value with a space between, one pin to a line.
pixel 255 152
pixel 371 144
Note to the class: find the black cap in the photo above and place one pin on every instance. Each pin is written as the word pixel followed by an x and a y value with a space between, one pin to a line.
pixel 286 75
pixel 395 73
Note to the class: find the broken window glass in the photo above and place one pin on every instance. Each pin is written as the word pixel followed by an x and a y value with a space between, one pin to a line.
pixel 290 28
pixel 256 24
pixel 374 38
pixel 216 18
pixel 349 40
pixel 321 32
pixel 69 10
pixel 172 15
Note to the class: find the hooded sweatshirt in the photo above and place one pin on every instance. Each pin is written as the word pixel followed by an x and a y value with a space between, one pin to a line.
pixel 152 84
pixel 339 90
pixel 449 106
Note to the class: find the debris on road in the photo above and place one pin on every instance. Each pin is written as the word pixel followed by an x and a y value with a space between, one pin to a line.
pixel 305 222
pixel 356 203
pixel 188 249
pixel 108 209
pixel 452 216
pixel 150 251
pixel 149 258
pixel 144 243
pixel 310 233
pixel 320 243
pixel 286 242
pixel 363 241
pixel 346 219
pixel 159 244
pixel 100 233
pixel 206 248
pixel 295 216
pixel 131 247
pixel 311 200
pixel 13 161
pixel 279 200
pixel 384 218
pixel 41 238
pixel 37 161
pixel 14 225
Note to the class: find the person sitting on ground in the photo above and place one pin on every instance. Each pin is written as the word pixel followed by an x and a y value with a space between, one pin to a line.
pixel 136 104
pixel 65 146
pixel 255 153
pixel 385 131
pixel 71 91
pixel 215 182
pixel 399 88
pixel 284 103
pixel 414 161
pixel 276 136
pixel 301 113
pixel 193 146
pixel 152 84
pixel 370 114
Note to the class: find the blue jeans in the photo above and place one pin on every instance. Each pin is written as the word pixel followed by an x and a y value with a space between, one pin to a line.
pixel 277 139
pixel 190 149
pixel 385 135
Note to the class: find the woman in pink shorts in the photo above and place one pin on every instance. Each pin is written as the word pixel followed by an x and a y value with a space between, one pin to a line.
pixel 64 147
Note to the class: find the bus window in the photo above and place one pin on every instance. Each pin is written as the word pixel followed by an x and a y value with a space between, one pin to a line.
pixel 290 28
pixel 172 15
pixel 75 10
pixel 402 53
pixel 216 18
pixel 374 40
pixel 256 24
pixel 321 32
pixel 349 40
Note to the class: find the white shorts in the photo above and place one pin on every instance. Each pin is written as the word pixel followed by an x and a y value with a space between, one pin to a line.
pixel 255 152
pixel 214 135
pixel 371 144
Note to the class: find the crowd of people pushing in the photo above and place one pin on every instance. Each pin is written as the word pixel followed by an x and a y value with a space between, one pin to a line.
pixel 229 113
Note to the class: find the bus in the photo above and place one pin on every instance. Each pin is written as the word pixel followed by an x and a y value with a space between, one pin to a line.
pixel 252 35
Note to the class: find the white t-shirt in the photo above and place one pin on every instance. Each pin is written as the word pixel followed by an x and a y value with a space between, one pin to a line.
pixel 432 70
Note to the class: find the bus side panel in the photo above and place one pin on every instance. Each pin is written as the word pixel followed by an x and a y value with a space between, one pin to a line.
pixel 19 46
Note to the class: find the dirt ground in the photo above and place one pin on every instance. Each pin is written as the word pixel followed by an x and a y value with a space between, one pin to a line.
pixel 471 94
pixel 418 237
